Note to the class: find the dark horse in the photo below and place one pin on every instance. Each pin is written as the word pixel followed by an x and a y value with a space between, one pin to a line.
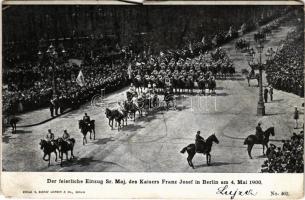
pixel 64 147
pixel 117 116
pixel 252 139
pixel 207 147
pixel 131 109
pixel 48 148
pixel 13 123
pixel 85 128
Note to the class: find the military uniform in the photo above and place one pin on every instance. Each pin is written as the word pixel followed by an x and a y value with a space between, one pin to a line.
pixel 56 105
pixel 271 93
pixel 65 136
pixel 61 104
pixel 199 143
pixel 86 119
pixel 259 132
pixel 50 136
pixel 51 106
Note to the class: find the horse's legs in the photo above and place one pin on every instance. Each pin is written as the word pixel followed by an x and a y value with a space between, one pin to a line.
pixel 55 156
pixel 190 158
pixel 44 157
pixel 72 155
pixel 111 124
pixel 119 125
pixel 188 161
pixel 49 159
pixel 90 135
pixel 59 153
pixel 250 146
pixel 61 157
pixel 265 144
pixel 13 128
pixel 208 159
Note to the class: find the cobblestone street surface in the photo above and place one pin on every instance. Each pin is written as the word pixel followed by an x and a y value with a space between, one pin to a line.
pixel 153 143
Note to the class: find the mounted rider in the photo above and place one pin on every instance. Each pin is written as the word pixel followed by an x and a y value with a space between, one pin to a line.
pixel 86 119
pixel 259 132
pixel 50 137
pixel 132 89
pixel 66 136
pixel 199 141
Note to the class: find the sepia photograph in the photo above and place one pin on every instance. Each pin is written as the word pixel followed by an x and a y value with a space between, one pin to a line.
pixel 153 88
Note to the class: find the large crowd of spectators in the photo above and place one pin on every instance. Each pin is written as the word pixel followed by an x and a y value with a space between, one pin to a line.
pixel 27 84
pixel 286 70
pixel 31 89
pixel 286 159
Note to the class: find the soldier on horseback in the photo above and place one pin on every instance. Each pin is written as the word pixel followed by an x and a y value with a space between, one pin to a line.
pixel 199 141
pixel 66 136
pixel 86 119
pixel 50 136
pixel 259 132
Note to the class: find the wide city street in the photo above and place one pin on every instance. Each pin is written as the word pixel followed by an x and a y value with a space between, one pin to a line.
pixel 153 143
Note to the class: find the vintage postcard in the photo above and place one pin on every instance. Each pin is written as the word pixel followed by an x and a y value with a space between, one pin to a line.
pixel 175 100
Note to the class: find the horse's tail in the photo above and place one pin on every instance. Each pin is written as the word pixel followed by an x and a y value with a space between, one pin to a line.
pixel 246 141
pixel 183 150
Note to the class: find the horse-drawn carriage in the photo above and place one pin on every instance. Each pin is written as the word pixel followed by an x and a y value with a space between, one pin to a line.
pixel 242 44
pixel 142 103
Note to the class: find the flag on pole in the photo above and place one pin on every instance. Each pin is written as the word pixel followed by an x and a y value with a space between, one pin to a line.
pixel 203 40
pixel 80 80
pixel 190 47
pixel 129 71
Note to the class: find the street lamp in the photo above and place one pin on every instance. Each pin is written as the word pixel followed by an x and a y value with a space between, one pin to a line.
pixel 260 104
pixel 52 57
